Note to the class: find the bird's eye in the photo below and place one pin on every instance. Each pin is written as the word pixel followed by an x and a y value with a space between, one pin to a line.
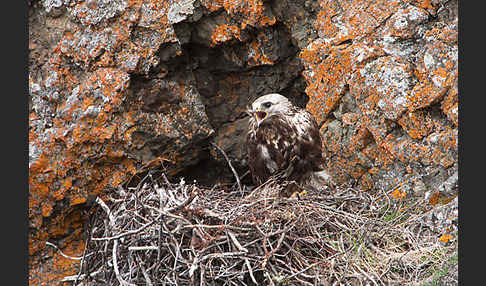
pixel 267 104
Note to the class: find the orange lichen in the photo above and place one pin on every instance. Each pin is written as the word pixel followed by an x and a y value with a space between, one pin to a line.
pixel 326 82
pixel 445 238
pixel 268 21
pixel 256 55
pixel 323 22
pixel 425 4
pixel 117 178
pixel 213 5
pixel 253 11
pixel 46 209
pixel 76 200
pixel 450 105
pixel 407 150
pixel 40 165
pixel 225 33
pixel 434 198
pixel 350 118
pixel 433 81
pixel 373 170
pixel 359 139
pixel 398 193
pixel 61 191
pixel 417 124
pixel 355 18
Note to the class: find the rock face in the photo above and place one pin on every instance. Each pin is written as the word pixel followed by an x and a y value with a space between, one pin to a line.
pixel 117 86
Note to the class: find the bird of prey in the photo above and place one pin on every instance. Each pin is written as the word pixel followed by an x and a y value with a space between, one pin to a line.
pixel 283 141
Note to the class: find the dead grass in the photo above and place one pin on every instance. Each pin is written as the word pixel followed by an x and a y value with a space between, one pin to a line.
pixel 162 233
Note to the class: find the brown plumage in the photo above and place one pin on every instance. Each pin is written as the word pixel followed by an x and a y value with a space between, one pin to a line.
pixel 284 140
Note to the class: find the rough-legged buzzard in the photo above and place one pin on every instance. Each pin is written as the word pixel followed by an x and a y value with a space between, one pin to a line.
pixel 284 141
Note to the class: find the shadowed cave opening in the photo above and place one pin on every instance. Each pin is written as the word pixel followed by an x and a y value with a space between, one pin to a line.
pixel 211 69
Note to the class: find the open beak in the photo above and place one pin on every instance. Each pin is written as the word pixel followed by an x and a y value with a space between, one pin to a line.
pixel 259 115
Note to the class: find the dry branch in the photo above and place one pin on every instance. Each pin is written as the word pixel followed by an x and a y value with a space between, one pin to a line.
pixel 230 165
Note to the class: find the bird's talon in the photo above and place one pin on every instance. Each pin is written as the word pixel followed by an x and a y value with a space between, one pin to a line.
pixel 298 194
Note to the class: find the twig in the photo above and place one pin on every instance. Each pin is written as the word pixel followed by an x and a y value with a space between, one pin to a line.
pixel 269 254
pixel 216 227
pixel 130 232
pixel 187 202
pixel 297 273
pixel 250 270
pixel 144 272
pixel 107 210
pixel 62 253
pixel 138 248
pixel 82 260
pixel 202 273
pixel 220 255
pixel 115 266
pixel 236 242
pixel 367 276
pixel 230 165
pixel 79 277
pixel 194 265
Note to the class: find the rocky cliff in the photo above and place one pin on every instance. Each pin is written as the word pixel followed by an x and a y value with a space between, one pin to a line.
pixel 119 86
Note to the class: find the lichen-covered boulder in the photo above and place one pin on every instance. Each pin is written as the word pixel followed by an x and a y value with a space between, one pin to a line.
pixel 382 81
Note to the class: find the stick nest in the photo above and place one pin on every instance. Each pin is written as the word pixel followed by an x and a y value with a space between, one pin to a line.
pixel 163 233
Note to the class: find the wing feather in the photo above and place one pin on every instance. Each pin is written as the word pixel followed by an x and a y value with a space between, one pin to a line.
pixel 276 138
